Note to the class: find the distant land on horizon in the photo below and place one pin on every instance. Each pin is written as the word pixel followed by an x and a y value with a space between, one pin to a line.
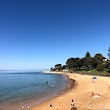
pixel 27 70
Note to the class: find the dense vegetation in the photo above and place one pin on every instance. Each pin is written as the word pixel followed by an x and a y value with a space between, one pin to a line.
pixel 87 64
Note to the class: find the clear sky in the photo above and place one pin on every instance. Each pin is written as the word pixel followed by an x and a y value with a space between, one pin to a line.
pixel 36 34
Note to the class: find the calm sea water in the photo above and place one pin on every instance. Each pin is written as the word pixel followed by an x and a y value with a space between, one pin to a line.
pixel 19 89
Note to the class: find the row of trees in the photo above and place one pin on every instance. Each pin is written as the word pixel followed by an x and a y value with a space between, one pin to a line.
pixel 98 62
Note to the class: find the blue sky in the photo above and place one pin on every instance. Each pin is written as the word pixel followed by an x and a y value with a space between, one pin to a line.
pixel 36 34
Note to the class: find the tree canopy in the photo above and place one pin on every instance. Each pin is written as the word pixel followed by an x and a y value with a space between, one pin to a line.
pixel 86 63
pixel 88 55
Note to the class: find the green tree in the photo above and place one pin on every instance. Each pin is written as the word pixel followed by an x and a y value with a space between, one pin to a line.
pixel 79 63
pixel 51 68
pixel 88 62
pixel 100 67
pixel 64 67
pixel 69 61
pixel 107 64
pixel 72 63
pixel 88 55
pixel 58 66
pixel 99 57
pixel 108 69
pixel 95 63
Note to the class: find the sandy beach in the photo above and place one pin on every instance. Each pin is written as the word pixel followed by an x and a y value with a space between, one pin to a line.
pixel 81 94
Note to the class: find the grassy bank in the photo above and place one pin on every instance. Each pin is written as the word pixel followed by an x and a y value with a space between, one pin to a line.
pixel 94 72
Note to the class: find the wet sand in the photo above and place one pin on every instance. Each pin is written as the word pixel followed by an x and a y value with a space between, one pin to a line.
pixel 81 94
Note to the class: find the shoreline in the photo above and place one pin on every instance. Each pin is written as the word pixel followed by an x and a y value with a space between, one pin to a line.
pixel 48 98
pixel 62 93
pixel 71 84
pixel 81 94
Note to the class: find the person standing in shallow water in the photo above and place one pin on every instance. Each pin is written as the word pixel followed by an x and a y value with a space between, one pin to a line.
pixel 47 82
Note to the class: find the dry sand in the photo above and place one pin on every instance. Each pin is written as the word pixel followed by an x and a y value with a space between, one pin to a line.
pixel 81 94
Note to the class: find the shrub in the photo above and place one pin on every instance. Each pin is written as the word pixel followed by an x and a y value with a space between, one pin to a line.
pixel 100 67
pixel 108 69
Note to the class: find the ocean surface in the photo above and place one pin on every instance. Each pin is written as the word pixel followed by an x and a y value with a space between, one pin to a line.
pixel 25 89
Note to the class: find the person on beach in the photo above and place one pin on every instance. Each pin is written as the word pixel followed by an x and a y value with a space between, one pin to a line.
pixel 51 104
pixel 81 73
pixel 73 108
pixel 22 107
pixel 72 103
pixel 92 94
